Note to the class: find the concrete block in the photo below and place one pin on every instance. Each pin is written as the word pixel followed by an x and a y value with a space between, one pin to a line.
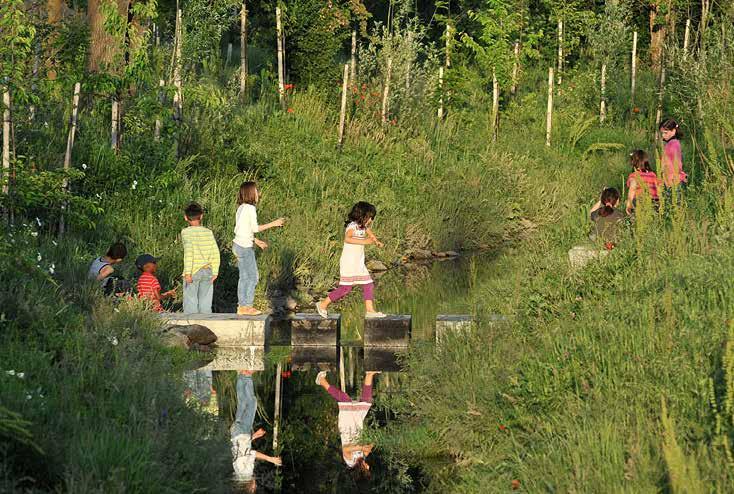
pixel 238 358
pixel 447 324
pixel 581 255
pixel 304 358
pixel 230 329
pixel 389 331
pixel 314 330
pixel 384 359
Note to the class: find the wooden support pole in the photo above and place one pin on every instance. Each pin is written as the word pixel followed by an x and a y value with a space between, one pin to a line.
pixel 495 106
pixel 243 51
pixel 115 127
pixel 549 111
pixel 69 147
pixel 276 413
pixel 351 366
pixel 661 94
pixel 6 140
pixel 177 67
pixel 560 51
pixel 281 57
pixel 686 38
pixel 158 122
pixel 448 45
pixel 515 68
pixel 342 373
pixel 353 74
pixel 603 103
pixel 229 53
pixel 440 91
pixel 386 92
pixel 343 112
pixel 633 83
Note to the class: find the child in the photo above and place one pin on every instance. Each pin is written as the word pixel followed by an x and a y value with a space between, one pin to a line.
pixel 101 268
pixel 243 456
pixel 148 285
pixel 246 227
pixel 351 422
pixel 672 160
pixel 640 180
pixel 201 262
pixel 352 270
pixel 606 218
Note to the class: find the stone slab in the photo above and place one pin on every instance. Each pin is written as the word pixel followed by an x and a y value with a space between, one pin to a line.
pixel 447 324
pixel 581 255
pixel 304 358
pixel 383 359
pixel 238 358
pixel 231 329
pixel 389 331
pixel 314 330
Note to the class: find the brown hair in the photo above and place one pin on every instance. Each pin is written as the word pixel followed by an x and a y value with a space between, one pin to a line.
pixel 360 471
pixel 247 193
pixel 640 160
pixel 194 211
pixel 670 124
pixel 609 198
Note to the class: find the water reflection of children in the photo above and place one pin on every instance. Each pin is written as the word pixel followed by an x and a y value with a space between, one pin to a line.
pixel 351 423
pixel 243 456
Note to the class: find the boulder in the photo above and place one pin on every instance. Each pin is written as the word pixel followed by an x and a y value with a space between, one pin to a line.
pixel 420 254
pixel 196 333
pixel 172 339
pixel 375 265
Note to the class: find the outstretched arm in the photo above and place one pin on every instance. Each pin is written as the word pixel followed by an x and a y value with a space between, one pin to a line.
pixel 275 460
pixel 371 235
pixel 350 239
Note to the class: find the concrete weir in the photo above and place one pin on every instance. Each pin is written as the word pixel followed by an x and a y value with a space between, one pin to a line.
pixel 447 324
pixel 237 358
pixel 313 330
pixel 388 331
pixel 231 329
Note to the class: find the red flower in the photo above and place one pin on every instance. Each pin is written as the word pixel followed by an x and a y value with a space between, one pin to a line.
pixel 515 484
pixel 285 374
pixel 502 427
pixel 288 87
pixel 635 110
pixel 290 110
pixel 609 245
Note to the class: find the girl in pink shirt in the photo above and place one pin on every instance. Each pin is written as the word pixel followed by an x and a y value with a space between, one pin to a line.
pixel 672 162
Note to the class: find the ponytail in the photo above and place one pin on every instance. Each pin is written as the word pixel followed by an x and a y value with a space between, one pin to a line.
pixel 640 160
pixel 609 197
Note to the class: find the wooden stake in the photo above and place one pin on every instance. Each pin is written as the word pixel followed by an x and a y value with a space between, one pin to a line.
pixel 157 35
pixel 686 38
pixel 633 83
pixel 281 57
pixel 6 140
pixel 276 413
pixel 448 45
pixel 515 68
pixel 229 53
pixel 351 366
pixel 115 134
pixel 158 122
pixel 386 92
pixel 440 90
pixel 661 93
pixel 560 51
pixel 549 111
pixel 343 112
pixel 603 104
pixel 178 95
pixel 243 51
pixel 353 74
pixel 72 128
pixel 495 106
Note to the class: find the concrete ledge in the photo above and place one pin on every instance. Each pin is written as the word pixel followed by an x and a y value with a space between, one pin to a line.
pixel 314 330
pixel 231 329
pixel 389 331
pixel 234 358
pixel 447 324
pixel 307 357
pixel 382 359
pixel 581 255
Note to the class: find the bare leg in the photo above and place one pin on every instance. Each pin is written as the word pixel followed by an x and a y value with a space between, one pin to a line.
pixel 369 306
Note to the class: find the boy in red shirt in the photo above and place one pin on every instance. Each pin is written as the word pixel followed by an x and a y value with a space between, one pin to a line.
pixel 148 285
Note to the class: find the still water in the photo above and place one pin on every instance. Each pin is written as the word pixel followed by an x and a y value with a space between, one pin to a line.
pixel 301 419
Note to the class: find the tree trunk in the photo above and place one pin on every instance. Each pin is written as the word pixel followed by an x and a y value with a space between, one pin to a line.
pixel 281 57
pixel 104 47
pixel 658 32
pixel 243 51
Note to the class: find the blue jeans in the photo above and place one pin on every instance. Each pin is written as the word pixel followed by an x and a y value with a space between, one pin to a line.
pixel 197 295
pixel 248 275
pixel 246 406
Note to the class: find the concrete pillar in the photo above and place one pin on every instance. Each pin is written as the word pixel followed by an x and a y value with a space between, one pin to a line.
pixel 237 358
pixel 384 359
pixel 304 358
pixel 313 330
pixel 231 329
pixel 389 331
pixel 447 324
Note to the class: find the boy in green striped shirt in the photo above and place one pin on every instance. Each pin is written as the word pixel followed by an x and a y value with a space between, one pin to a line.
pixel 201 262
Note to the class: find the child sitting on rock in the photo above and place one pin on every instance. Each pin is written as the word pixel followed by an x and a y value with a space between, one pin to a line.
pixel 607 219
pixel 148 285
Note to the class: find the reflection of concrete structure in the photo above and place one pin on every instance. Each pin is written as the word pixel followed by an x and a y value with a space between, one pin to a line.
pixel 313 330
pixel 382 359
pixel 231 329
pixel 452 324
pixel 389 331
pixel 306 357
pixel 238 358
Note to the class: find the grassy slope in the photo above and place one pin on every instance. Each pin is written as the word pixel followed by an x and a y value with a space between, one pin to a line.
pixel 572 395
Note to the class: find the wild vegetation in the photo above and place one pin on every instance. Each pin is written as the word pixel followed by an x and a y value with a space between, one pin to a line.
pixel 617 377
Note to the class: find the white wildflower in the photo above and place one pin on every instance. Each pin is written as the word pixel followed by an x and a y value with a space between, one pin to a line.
pixel 45 124
pixel 20 375
pixel 39 258
pixel 98 196
pixel 135 184
pixel 113 340
pixel 38 221
pixel 52 269
pixel 28 397
pixel 84 166
pixel 34 234
pixel 116 309
pixel 10 372
pixel 56 244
